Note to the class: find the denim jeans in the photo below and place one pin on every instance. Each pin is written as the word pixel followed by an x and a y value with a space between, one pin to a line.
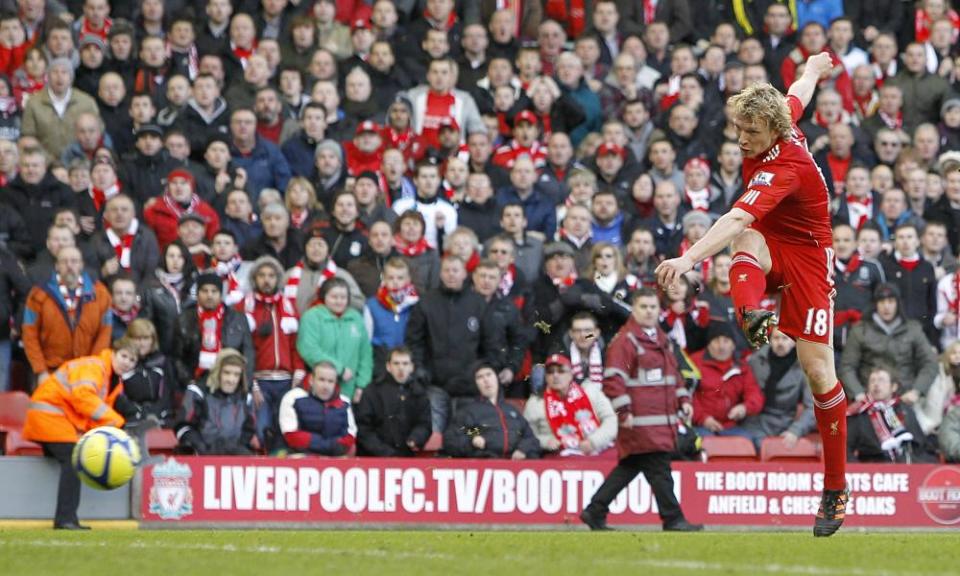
pixel 268 425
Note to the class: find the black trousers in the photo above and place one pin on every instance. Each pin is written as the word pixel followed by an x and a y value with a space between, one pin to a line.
pixel 655 466
pixel 68 491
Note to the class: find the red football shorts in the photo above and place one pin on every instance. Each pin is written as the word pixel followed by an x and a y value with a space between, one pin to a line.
pixel 803 277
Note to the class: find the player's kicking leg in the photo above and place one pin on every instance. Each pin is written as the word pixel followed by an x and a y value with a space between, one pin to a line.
pixel 748 285
pixel 830 408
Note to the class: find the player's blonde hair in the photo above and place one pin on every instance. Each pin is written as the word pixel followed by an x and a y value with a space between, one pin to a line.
pixel 765 104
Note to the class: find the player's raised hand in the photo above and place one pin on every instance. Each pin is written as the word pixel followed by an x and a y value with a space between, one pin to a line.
pixel 820 64
pixel 670 271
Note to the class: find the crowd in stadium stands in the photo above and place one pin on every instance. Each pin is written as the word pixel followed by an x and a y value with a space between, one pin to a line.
pixel 349 226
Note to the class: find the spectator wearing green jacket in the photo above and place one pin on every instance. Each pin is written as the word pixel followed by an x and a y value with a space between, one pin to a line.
pixel 335 333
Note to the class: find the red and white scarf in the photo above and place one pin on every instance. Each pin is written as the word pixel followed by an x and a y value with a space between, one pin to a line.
pixel 410 249
pixel 100 197
pixel 567 281
pixel 860 210
pixel 243 54
pixel 698 199
pixel 286 310
pixel 297 219
pixel 571 418
pixel 193 59
pixel 851 266
pixel 71 298
pixel 128 316
pixel 507 280
pixel 908 262
pixel 891 122
pixel 885 421
pixel 122 245
pixel 211 324
pixel 292 286
pixel 398 301
pixel 594 365
pixel 179 211
pixel 227 271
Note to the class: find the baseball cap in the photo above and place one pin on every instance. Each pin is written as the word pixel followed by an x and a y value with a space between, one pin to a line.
pixel 558 249
pixel 557 360
pixel 359 24
pixel 524 116
pixel 149 129
pixel 191 217
pixel 367 126
pixel 609 148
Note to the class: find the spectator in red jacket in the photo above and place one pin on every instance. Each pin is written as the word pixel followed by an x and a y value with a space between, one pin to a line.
pixel 273 321
pixel 163 214
pixel 728 392
pixel 364 152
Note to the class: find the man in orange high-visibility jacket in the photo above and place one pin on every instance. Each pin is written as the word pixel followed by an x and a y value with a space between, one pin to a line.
pixel 76 398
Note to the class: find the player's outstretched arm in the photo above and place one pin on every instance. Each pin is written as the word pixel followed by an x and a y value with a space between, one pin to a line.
pixel 720 235
pixel 804 87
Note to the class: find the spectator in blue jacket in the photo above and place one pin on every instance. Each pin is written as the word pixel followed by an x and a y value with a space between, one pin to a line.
pixel 300 150
pixel 265 165
pixel 574 85
pixel 318 420
pixel 538 208
pixel 387 312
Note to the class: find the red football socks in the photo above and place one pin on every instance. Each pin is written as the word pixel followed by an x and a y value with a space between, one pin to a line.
pixel 831 412
pixel 748 283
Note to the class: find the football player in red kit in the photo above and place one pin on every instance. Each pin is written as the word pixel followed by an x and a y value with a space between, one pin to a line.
pixel 781 237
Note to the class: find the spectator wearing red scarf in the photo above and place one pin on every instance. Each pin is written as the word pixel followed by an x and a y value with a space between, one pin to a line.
pixel 125 244
pixel 163 214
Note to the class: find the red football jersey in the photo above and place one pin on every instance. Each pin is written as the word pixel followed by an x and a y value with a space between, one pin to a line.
pixel 786 191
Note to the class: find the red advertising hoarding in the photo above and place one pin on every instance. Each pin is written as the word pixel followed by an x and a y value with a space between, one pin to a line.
pixel 385 491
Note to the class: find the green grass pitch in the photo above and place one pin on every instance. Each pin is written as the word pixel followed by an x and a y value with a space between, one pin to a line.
pixel 389 553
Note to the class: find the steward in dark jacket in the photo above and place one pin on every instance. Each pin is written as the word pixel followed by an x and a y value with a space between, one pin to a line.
pixel 393 418
pixel 36 204
pixel 488 427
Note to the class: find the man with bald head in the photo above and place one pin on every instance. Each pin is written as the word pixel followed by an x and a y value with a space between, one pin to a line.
pixel 90 134
pixel 66 317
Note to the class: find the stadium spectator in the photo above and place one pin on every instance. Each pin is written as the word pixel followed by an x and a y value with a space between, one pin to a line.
pixel 261 159
pixel 206 327
pixel 393 418
pixel 66 317
pixel 646 414
pixel 855 279
pixel 168 290
pixel 333 332
pixel 387 311
pixel 444 333
pixel 50 116
pixel 125 304
pixel 785 390
pixel 151 388
pixel 226 263
pixel 569 419
pixel 431 102
pixel 14 288
pixel 125 245
pixel 505 337
pixel 217 417
pixel 86 387
pixel 728 391
pixel 913 276
pixel 488 427
pixel 279 240
pixel 886 335
pixel 923 93
pixel 932 406
pixel 577 233
pixel 163 215
pixel 274 322
pixel 882 427
pixel 35 194
pixel 318 420
pixel 439 216
pixel 303 281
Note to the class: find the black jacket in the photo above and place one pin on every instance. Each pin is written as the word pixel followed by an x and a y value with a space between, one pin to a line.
pixel 147 175
pixel 150 389
pixel 14 287
pixel 483 219
pixel 366 270
pixel 200 127
pixel 444 334
pixel 144 254
pixel 344 246
pixel 506 336
pixel 14 236
pixel 942 211
pixel 918 291
pixel 501 425
pixel 36 204
pixel 161 308
pixel 391 414
pixel 291 254
pixel 116 120
pixel 234 333
pixel 864 446
pixel 854 286
pixel 552 312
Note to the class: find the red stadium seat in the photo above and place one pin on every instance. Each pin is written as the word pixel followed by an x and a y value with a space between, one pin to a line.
pixel 729 449
pixel 15 445
pixel 13 410
pixel 773 449
pixel 161 441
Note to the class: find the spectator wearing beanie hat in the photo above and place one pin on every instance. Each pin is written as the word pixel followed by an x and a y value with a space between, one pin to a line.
pixel 163 214
pixel 728 392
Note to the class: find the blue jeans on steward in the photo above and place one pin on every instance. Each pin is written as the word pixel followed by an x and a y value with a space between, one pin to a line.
pixel 268 424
